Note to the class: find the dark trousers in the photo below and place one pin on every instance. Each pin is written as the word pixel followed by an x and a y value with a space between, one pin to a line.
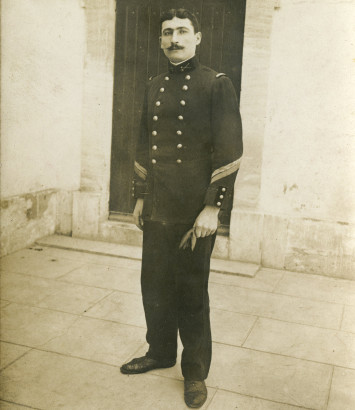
pixel 175 297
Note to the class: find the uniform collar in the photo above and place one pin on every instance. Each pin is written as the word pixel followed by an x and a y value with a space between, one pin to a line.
pixel 186 66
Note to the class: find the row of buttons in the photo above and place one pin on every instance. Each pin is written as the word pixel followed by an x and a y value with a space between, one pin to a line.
pixel 221 196
pixel 180 117
pixel 155 147
pixel 155 118
pixel 155 133
pixel 187 77
pixel 154 161
pixel 182 102
pixel 184 88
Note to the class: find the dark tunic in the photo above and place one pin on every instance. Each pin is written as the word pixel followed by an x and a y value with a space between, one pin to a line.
pixel 190 143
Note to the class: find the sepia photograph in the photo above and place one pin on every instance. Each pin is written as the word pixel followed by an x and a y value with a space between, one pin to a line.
pixel 177 205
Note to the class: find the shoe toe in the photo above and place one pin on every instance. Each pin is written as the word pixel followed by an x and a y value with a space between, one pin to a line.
pixel 195 393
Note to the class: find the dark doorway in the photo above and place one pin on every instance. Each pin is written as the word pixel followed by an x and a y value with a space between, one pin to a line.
pixel 138 56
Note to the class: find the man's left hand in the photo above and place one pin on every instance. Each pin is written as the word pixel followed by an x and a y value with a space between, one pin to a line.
pixel 207 222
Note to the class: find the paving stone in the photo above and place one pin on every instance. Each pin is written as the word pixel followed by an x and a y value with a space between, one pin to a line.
pixel 348 323
pixel 227 400
pixel 92 258
pixel 342 393
pixel 230 327
pixel 316 287
pixel 116 249
pixel 234 267
pixel 99 340
pixel 125 308
pixel 104 276
pixel 48 293
pixel 306 342
pixel 299 315
pixel 34 263
pixel 10 352
pixel 32 326
pixel 12 406
pixel 51 381
pixel 287 308
pixel 264 280
pixel 266 376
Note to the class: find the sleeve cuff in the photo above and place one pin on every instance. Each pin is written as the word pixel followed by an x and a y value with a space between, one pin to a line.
pixel 139 189
pixel 215 196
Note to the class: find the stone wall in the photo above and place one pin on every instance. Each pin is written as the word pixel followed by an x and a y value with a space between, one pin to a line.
pixel 298 212
pixel 42 54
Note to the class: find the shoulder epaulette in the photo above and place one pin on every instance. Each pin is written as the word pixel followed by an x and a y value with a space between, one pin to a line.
pixel 220 75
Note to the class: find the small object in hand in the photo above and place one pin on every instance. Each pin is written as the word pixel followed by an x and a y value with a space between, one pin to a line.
pixel 189 239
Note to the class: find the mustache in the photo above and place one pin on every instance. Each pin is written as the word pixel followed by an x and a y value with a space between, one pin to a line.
pixel 175 47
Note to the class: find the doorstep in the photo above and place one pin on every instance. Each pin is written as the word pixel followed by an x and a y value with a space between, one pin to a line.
pixel 135 252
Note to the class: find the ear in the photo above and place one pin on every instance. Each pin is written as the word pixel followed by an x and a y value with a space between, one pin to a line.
pixel 160 42
pixel 198 37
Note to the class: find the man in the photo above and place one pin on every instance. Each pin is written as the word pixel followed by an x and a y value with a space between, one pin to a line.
pixel 188 155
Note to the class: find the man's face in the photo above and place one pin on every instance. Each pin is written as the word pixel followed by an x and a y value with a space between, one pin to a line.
pixel 178 39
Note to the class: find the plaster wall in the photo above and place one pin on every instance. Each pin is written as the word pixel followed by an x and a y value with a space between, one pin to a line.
pixel 41 86
pixel 308 165
pixel 42 54
pixel 300 213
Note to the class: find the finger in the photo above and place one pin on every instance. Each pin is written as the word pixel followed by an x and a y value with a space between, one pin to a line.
pixel 193 242
pixel 198 231
pixel 203 232
pixel 141 222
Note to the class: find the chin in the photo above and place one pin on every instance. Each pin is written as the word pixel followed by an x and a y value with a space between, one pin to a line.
pixel 175 57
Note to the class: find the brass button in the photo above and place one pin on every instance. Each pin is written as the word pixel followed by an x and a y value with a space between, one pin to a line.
pixel 219 204
pixel 185 87
pixel 180 117
pixel 187 77
pixel 162 89
pixel 166 78
pixel 183 102
pixel 155 118
pixel 179 146
pixel 221 196
pixel 154 161
pixel 154 133
pixel 179 161
pixel 179 132
pixel 154 147
pixel 223 189
pixel 157 103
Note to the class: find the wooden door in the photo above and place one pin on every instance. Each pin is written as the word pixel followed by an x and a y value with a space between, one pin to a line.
pixel 138 56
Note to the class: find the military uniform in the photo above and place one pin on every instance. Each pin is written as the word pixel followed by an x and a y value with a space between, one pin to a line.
pixel 188 154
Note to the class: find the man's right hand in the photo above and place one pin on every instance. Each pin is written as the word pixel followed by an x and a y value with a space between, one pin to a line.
pixel 137 213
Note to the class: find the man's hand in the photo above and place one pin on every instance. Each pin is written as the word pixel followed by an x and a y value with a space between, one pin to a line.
pixel 207 222
pixel 137 213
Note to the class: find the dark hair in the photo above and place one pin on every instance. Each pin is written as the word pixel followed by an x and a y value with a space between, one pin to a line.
pixel 181 14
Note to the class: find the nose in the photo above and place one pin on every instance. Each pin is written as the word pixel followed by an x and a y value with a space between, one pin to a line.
pixel 174 37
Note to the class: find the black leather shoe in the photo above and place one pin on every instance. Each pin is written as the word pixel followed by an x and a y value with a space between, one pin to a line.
pixel 144 364
pixel 195 393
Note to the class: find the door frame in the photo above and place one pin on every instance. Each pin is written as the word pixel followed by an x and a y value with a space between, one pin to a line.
pixel 89 207
pixel 208 12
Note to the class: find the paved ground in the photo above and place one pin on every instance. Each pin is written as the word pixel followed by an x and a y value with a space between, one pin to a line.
pixel 282 340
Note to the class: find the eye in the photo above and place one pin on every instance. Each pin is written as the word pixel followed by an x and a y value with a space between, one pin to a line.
pixel 182 31
pixel 167 33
